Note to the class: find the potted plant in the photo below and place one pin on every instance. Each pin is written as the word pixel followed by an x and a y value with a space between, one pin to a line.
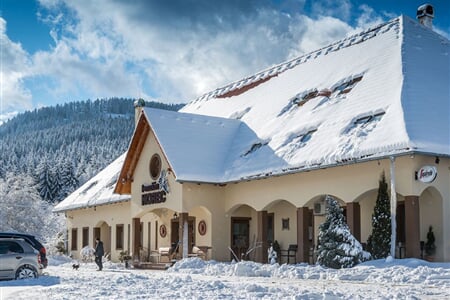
pixel 430 246
pixel 124 257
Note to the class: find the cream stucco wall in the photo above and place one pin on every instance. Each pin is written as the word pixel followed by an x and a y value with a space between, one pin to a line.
pixel 280 195
pixel 107 216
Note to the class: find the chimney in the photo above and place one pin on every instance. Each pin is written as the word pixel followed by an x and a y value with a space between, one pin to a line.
pixel 425 15
pixel 138 105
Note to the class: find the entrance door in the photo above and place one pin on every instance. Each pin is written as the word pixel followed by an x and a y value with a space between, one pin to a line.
pixel 401 229
pixel 240 231
pixel 175 238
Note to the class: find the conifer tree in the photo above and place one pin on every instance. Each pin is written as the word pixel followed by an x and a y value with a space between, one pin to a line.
pixel 337 247
pixel 379 242
pixel 46 184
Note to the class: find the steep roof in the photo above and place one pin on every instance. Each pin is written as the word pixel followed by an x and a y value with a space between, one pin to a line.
pixel 381 92
pixel 378 93
pixel 97 191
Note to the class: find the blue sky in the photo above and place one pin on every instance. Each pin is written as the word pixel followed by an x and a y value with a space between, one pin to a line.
pixel 55 51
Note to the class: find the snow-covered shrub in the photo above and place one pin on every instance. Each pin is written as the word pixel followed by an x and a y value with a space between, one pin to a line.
pixel 87 254
pixel 337 247
pixel 379 242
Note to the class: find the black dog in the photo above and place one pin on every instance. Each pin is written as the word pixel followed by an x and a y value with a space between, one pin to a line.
pixel 75 266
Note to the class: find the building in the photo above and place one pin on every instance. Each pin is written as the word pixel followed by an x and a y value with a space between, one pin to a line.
pixel 251 162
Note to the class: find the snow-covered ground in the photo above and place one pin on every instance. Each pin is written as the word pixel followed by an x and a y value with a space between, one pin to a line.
pixel 197 279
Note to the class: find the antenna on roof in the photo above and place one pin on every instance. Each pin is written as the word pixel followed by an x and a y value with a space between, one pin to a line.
pixel 425 15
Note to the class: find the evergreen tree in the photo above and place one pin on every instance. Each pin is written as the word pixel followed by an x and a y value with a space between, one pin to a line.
pixel 68 179
pixel 379 242
pixel 46 184
pixel 337 247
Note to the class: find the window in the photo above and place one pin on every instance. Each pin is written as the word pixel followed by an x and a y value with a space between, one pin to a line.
pixel 90 186
pixel 307 136
pixel 74 239
pixel 364 122
pixel 85 236
pixel 155 166
pixel 9 247
pixel 347 85
pixel 119 236
pixel 302 98
pixel 296 141
pixel 254 147
pixel 285 224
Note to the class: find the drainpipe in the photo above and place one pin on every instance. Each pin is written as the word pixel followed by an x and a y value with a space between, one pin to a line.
pixel 393 206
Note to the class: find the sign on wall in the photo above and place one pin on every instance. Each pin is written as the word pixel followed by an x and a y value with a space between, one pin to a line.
pixel 427 174
pixel 156 191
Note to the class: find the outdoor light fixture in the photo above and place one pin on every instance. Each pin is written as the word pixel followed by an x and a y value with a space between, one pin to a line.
pixel 175 215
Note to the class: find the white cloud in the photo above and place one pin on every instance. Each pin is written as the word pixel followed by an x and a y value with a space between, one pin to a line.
pixel 14 68
pixel 172 50
pixel 185 54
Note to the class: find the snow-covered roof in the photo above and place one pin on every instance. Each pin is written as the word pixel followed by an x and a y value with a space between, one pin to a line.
pixel 97 191
pixel 378 93
pixel 381 92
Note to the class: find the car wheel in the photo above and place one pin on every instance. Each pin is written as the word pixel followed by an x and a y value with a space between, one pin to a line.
pixel 26 272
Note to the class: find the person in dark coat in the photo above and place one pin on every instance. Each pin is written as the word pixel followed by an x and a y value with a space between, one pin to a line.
pixel 99 252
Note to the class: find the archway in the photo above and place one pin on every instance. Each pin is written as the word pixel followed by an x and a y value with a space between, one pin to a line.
pixel 202 228
pixel 431 214
pixel 103 231
pixel 281 224
pixel 243 232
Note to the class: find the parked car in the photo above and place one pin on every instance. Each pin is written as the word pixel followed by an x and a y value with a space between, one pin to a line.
pixel 30 239
pixel 18 259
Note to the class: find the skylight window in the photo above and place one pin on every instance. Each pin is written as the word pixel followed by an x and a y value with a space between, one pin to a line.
pixel 301 98
pixel 307 136
pixel 294 142
pixel 364 122
pixel 347 85
pixel 89 187
pixel 254 147
pixel 240 114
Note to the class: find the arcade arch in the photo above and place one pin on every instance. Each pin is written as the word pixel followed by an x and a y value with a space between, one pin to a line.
pixel 431 214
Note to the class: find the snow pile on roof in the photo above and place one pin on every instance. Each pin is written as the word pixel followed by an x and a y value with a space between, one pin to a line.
pixel 97 191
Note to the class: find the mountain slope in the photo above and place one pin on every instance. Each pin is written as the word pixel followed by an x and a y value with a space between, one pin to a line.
pixel 63 146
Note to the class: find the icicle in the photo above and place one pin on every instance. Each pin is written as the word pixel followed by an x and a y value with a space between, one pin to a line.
pixel 393 207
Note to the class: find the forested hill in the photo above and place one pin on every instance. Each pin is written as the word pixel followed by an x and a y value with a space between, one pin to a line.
pixel 59 148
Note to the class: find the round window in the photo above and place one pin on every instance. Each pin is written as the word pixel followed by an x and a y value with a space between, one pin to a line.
pixel 155 166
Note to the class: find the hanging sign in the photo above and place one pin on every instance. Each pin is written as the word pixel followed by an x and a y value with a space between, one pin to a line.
pixel 427 174
pixel 156 191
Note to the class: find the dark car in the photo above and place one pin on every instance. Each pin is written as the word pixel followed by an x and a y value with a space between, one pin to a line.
pixel 30 239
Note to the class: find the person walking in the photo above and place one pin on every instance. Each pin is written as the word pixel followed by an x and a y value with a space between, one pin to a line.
pixel 99 252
